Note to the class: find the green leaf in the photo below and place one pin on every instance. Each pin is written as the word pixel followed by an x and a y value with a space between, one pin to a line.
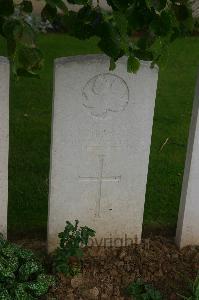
pixel 13 29
pixel 133 64
pixel 13 264
pixel 2 241
pixel 66 258
pixel 49 13
pixel 142 291
pixel 86 233
pixel 82 24
pixel 8 250
pixel 41 286
pixel 6 7
pixel 28 36
pixel 162 24
pixel 110 41
pixel 24 254
pixel 112 66
pixel 11 47
pixel 118 4
pixel 183 14
pixel 80 2
pixel 181 11
pixel 129 22
pixel 121 22
pixel 22 294
pixel 26 6
pixel 28 269
pixel 160 49
pixel 24 73
pixel 196 287
pixel 19 270
pixel 30 59
pixel 135 289
pixel 157 5
pixel 58 4
pixel 152 293
pixel 5 271
pixel 4 295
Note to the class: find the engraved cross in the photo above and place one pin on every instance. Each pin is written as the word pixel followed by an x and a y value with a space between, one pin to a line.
pixel 100 179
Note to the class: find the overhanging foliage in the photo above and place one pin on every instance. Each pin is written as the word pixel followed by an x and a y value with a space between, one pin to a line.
pixel 139 29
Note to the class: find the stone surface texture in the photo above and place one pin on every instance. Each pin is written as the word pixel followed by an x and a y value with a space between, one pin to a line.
pixel 188 219
pixel 101 138
pixel 4 140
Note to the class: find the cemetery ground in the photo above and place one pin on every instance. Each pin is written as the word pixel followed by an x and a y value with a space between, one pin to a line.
pixel 107 271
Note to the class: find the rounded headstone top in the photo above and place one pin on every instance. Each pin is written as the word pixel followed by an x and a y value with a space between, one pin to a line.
pixel 61 61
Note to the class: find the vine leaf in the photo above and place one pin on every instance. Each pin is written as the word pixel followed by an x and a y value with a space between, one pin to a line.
pixel 133 64
pixel 6 7
pixel 58 4
pixel 27 6
pixel 112 65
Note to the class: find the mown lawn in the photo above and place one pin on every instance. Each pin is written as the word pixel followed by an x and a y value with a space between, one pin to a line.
pixel 30 127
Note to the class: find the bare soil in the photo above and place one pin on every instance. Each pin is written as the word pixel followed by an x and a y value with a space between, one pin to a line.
pixel 107 271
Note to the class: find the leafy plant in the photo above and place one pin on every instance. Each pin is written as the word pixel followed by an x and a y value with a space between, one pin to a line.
pixel 194 291
pixel 22 276
pixel 141 291
pixel 139 29
pixel 67 256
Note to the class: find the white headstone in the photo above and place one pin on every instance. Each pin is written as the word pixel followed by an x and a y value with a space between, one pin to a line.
pixel 100 150
pixel 188 219
pixel 4 140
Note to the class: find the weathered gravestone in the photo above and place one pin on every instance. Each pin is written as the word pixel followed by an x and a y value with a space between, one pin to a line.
pixel 100 150
pixel 4 139
pixel 188 219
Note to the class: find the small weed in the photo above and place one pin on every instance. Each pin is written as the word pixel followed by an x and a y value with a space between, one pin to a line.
pixel 68 255
pixel 194 291
pixel 141 291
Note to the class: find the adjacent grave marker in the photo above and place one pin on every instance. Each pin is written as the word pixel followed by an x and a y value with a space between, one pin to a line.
pixel 102 128
pixel 4 140
pixel 188 219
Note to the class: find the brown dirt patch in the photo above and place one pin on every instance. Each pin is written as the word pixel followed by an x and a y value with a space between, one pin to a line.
pixel 107 271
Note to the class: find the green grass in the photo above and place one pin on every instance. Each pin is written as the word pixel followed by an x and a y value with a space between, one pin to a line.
pixel 172 118
pixel 30 126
